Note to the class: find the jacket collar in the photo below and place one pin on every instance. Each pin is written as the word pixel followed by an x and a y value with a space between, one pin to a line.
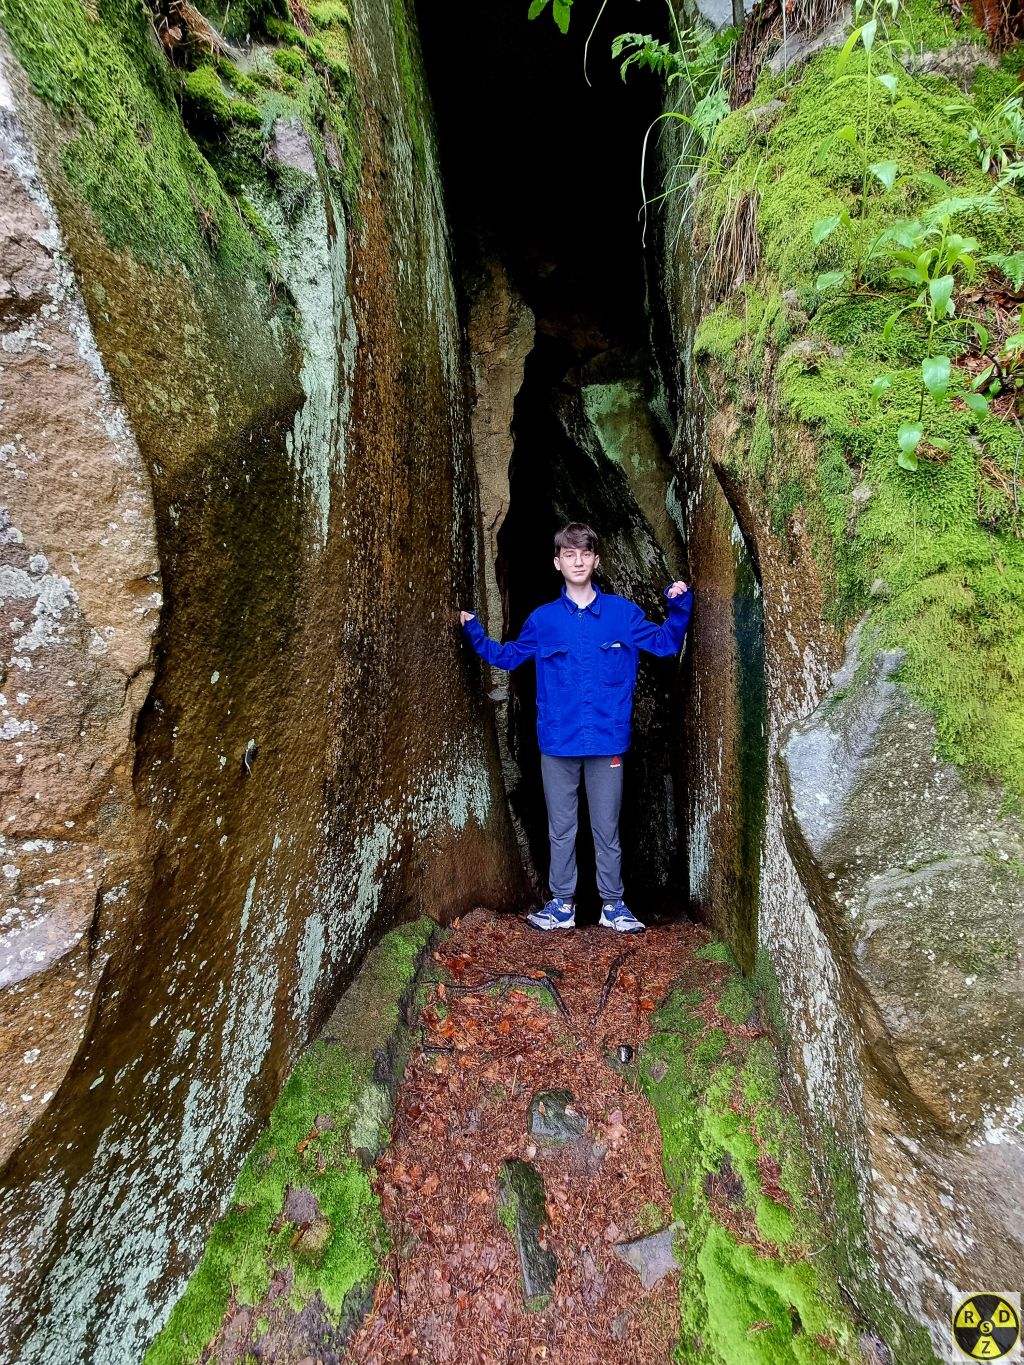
pixel 594 606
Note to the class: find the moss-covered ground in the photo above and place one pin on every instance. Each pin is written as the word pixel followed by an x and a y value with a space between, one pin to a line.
pixel 759 1281
pixel 310 1143
pixel 935 555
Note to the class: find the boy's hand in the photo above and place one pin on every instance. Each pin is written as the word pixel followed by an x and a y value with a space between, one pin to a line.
pixel 676 589
pixel 465 616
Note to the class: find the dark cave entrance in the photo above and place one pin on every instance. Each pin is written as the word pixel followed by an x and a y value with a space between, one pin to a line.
pixel 541 174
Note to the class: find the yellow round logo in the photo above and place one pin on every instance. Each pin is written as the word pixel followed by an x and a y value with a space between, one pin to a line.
pixel 986 1326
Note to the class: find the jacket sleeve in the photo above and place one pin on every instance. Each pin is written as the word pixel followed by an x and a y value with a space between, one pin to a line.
pixel 507 656
pixel 667 639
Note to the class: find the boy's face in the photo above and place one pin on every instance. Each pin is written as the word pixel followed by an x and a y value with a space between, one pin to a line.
pixel 576 566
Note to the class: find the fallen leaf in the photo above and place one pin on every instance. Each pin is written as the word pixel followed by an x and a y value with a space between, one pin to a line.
pixel 615 1130
pixel 762 1325
pixel 531 1150
pixel 646 1004
pixel 480 1197
pixel 429 1185
pixel 307 1140
pixel 611 1232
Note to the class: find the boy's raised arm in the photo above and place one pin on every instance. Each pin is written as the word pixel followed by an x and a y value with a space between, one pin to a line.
pixel 667 639
pixel 507 656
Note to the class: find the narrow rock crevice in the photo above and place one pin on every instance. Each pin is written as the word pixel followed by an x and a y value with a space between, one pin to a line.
pixel 569 420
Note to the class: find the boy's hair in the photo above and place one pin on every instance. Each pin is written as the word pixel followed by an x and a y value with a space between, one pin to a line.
pixel 576 536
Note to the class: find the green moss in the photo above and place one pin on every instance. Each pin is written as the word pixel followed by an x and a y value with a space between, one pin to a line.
pixel 738 1001
pixel 507 1214
pixel 330 14
pixel 244 1248
pixel 947 540
pixel 241 20
pixel 761 443
pixel 856 1262
pixel 724 1121
pixel 129 155
pixel 718 338
pixel 290 62
pixel 238 80
pixel 407 68
pixel 650 1218
pixel 676 1012
pixel 790 495
pixel 205 96
pixel 716 952
pixel 162 156
pixel 208 104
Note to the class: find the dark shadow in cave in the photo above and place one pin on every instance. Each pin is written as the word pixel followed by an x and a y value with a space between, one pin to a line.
pixel 542 172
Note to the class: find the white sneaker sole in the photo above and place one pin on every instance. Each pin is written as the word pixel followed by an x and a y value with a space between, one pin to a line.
pixel 630 927
pixel 545 925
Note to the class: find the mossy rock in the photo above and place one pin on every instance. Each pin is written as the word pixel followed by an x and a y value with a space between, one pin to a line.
pixel 303 1204
pixel 748 1291
pixel 523 1214
pixel 794 364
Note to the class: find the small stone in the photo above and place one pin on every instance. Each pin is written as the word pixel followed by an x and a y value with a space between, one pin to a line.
pixel 658 1070
pixel 880 589
pixel 651 1257
pixel 798 48
pixel 290 146
pixel 523 1213
pixel 553 1120
pixel 620 1325
pixel 300 1206
pixel 765 116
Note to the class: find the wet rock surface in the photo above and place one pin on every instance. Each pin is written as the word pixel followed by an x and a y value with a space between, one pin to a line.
pixel 317 1234
pixel 554 1119
pixel 917 878
pixel 651 1256
pixel 522 1196
pixel 218 821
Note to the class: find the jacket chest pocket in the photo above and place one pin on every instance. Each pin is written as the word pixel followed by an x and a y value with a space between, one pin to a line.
pixel 552 677
pixel 615 663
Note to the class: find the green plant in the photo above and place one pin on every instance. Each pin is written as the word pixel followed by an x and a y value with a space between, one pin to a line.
pixel 647 54
pixel 997 136
pixel 1005 373
pixel 560 12
pixel 927 254
pixel 1011 265
pixel 861 138
pixel 701 62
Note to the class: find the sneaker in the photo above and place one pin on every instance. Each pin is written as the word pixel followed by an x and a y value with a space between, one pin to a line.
pixel 557 914
pixel 615 915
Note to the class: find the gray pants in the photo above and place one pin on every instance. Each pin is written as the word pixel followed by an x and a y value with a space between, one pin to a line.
pixel 603 776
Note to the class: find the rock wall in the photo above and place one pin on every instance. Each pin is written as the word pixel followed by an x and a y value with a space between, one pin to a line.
pixel 889 907
pixel 240 737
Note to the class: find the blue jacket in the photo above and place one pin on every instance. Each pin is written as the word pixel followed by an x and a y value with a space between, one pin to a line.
pixel 586 666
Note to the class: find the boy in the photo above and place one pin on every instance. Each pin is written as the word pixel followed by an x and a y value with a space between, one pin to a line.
pixel 586 646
